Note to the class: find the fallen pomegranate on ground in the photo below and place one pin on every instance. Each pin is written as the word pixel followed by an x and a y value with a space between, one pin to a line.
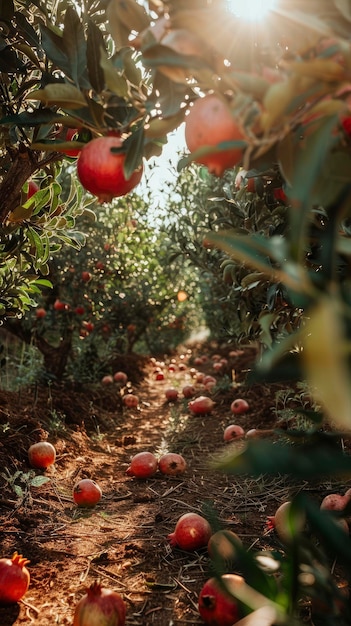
pixel 120 377
pixel 100 607
pixel 171 394
pixel 286 525
pixel 101 170
pixel 131 401
pixel 239 406
pixel 41 455
pixel 233 431
pixel 142 465
pixel 172 464
pixel 201 405
pixel 14 578
pixel 335 501
pixel 189 391
pixel 192 531
pixel 86 493
pixel 222 545
pixel 217 606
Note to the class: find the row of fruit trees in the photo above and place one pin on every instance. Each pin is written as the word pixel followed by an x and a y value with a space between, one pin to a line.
pixel 257 225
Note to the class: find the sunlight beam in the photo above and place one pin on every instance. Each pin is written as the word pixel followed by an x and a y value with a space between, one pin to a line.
pixel 251 10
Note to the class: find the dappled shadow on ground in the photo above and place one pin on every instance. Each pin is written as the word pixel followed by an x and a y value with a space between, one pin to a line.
pixel 123 540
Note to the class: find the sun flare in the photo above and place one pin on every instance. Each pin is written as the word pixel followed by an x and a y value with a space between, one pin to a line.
pixel 251 10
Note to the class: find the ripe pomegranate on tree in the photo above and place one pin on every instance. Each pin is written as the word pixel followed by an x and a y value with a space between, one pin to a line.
pixel 209 123
pixel 101 171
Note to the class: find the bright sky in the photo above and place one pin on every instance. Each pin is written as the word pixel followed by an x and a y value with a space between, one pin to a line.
pixel 253 10
pixel 165 166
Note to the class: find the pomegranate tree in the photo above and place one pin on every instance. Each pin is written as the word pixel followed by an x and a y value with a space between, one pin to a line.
pixel 101 171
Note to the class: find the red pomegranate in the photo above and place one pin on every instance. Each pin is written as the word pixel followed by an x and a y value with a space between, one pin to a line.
pixel 101 171
pixel 209 123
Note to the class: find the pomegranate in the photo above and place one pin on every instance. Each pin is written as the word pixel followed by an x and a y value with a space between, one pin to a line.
pixel 209 123
pixel 120 377
pixel 142 465
pixel 233 431
pixel 335 501
pixel 32 188
pixel 60 306
pixel 286 526
pixel 107 380
pixel 86 493
pixel 209 379
pixel 14 578
pixel 86 276
pixel 40 313
pixel 100 607
pixel 72 134
pixel 131 400
pixel 41 455
pixel 217 607
pixel 192 531
pixel 201 405
pixel 222 545
pixel 172 464
pixel 101 171
pixel 188 391
pixel 171 394
pixel 239 406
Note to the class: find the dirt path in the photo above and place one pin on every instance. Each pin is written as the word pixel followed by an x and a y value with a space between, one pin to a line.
pixel 123 540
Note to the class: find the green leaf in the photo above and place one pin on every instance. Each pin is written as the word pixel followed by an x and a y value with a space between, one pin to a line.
pixel 44 282
pixel 325 361
pixel 95 43
pixel 265 321
pixel 74 44
pixel 38 481
pixel 36 242
pixel 52 43
pixel 115 81
pixel 134 152
pixel 171 96
pixel 160 127
pixel 34 118
pixel 319 457
pixel 27 30
pixel 59 94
